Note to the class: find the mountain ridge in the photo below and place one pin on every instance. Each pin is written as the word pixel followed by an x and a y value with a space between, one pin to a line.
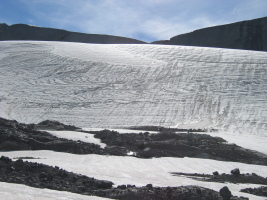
pixel 247 35
pixel 28 32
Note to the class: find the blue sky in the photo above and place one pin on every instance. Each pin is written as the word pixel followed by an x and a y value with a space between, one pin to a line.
pixel 147 20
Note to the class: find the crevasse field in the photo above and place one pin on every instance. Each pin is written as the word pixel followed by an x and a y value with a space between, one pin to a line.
pixel 117 86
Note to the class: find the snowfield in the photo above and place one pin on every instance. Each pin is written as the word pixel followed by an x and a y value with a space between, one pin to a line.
pixel 96 86
pixel 139 172
pixel 10 191
pixel 76 136
pixel 109 86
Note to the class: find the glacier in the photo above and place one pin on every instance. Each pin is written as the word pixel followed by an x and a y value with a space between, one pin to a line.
pixel 122 85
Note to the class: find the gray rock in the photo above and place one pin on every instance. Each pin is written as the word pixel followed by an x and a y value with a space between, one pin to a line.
pixel 225 193
pixel 26 32
pixel 249 35
pixel 235 172
pixel 215 173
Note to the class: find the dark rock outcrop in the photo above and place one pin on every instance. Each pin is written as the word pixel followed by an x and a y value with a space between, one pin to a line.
pixel 249 35
pixel 225 193
pixel 55 125
pixel 235 172
pixel 27 32
pixel 17 136
pixel 226 178
pixel 260 191
pixel 44 176
pixel 171 144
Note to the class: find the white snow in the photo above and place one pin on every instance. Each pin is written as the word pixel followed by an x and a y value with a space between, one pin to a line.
pixel 4 110
pixel 253 142
pixel 119 130
pixel 75 135
pixel 10 191
pixel 130 170
pixel 111 86
pixel 118 86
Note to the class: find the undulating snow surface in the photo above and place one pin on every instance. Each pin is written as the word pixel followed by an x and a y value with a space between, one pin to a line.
pixel 10 191
pixel 95 85
pixel 131 170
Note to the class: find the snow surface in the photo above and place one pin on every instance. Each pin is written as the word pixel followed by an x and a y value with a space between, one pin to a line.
pixel 253 142
pixel 119 85
pixel 122 131
pixel 131 170
pixel 75 135
pixel 10 191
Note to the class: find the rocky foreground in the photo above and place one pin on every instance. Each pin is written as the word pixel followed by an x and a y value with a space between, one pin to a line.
pixel 17 136
pixel 167 143
pixel 43 176
pixel 235 177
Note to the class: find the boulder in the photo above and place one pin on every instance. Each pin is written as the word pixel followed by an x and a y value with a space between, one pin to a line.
pixel 235 172
pixel 225 193
pixel 215 173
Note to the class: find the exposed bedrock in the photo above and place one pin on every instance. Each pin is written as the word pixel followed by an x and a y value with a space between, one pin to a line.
pixel 17 136
pixel 249 35
pixel 168 144
pixel 27 32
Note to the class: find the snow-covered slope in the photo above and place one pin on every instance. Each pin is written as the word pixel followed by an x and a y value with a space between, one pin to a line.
pixel 94 85
pixel 139 172
pixel 10 191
